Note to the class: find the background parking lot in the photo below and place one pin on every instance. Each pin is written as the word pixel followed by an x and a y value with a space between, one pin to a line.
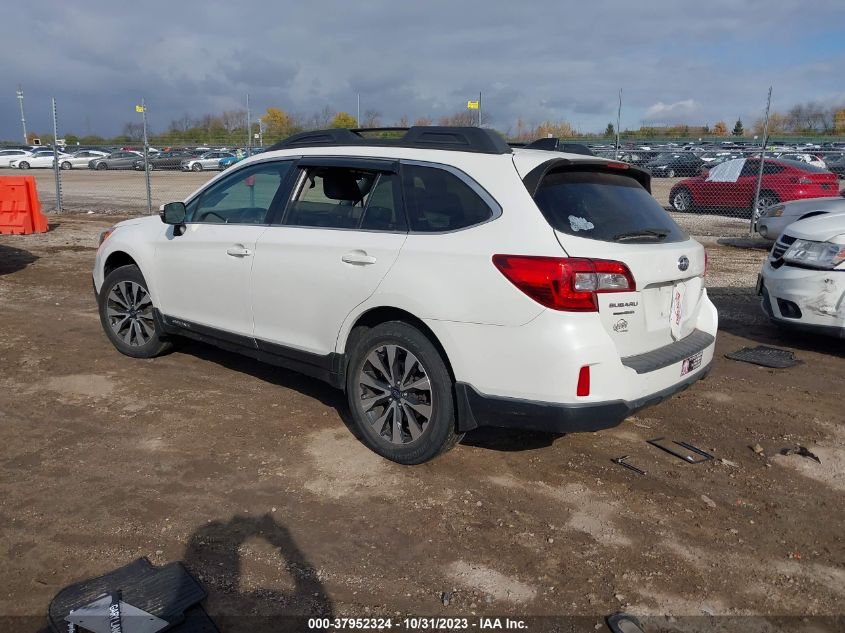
pixel 250 474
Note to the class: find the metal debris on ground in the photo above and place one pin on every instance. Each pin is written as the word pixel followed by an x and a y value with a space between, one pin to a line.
pixel 621 461
pixel 703 456
pixel 765 356
pixel 803 451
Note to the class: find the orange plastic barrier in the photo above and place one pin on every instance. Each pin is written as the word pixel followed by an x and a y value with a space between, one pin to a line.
pixel 20 210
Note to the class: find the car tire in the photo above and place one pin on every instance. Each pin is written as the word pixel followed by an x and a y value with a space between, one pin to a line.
pixel 101 166
pixel 23 165
pixel 670 173
pixel 681 200
pixel 65 165
pixel 196 167
pixel 766 199
pixel 407 416
pixel 127 314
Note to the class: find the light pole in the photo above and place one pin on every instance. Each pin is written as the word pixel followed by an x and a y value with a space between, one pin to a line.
pixel 23 118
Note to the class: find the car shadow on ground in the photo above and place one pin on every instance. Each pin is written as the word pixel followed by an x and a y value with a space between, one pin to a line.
pixel 756 243
pixel 13 259
pixel 215 554
pixel 506 440
pixel 509 440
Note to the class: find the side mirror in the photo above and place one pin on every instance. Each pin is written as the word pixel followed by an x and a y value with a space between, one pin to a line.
pixel 173 213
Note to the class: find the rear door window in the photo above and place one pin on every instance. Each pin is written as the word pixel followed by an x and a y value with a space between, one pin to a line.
pixel 438 201
pixel 604 206
pixel 346 198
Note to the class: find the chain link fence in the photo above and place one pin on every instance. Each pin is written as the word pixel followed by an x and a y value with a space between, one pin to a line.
pixel 709 186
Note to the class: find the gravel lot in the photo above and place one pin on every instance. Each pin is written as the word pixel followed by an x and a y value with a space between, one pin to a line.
pixel 250 475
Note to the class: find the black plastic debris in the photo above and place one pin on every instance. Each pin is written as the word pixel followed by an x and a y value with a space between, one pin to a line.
pixel 803 451
pixel 624 623
pixel 148 596
pixel 765 356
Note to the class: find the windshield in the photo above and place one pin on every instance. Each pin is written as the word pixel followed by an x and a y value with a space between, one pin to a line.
pixel 603 206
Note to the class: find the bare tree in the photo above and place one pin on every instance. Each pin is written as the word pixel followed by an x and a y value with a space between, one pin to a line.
pixel 372 118
pixel 134 131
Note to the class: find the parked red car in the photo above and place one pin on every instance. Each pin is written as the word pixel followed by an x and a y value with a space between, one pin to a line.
pixel 731 185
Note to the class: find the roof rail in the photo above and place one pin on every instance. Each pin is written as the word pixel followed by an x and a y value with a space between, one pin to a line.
pixel 462 139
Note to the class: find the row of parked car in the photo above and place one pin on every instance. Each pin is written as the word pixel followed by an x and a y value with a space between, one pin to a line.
pixel 186 160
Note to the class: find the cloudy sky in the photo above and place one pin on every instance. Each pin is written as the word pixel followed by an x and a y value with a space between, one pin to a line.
pixel 675 61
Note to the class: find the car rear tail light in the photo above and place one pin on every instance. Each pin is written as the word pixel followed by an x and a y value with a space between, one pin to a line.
pixel 802 180
pixel 565 283
pixel 583 388
pixel 617 165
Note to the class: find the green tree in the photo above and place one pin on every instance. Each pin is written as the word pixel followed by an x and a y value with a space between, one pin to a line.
pixel 738 129
pixel 344 120
pixel 610 130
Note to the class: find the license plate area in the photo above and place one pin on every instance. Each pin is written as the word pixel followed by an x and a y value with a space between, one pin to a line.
pixel 691 363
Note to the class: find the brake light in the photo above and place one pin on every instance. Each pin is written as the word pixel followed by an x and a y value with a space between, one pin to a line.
pixel 565 283
pixel 617 165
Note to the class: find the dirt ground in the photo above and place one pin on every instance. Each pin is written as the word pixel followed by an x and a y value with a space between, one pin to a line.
pixel 249 474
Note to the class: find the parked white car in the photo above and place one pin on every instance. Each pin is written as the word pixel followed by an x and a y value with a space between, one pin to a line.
pixel 442 280
pixel 209 160
pixel 803 279
pixel 810 159
pixel 38 160
pixel 773 220
pixel 8 155
pixel 80 159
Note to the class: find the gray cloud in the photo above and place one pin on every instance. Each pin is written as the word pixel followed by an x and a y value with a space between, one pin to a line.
pixel 540 60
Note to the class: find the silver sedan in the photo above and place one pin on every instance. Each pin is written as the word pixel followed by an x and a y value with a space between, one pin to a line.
pixel 777 217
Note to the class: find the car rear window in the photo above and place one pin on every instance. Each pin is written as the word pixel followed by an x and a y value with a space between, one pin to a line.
pixel 797 164
pixel 604 206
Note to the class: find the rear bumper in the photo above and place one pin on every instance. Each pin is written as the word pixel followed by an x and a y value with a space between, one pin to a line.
pixel 476 409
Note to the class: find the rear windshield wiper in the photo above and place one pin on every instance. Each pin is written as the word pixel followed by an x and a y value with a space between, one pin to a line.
pixel 654 234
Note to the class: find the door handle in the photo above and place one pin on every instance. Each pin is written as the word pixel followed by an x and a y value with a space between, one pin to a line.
pixel 358 257
pixel 238 250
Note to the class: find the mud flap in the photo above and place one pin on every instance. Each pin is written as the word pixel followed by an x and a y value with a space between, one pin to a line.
pixel 168 593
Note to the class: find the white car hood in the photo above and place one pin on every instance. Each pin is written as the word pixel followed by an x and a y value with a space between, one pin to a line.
pixel 821 228
pixel 833 204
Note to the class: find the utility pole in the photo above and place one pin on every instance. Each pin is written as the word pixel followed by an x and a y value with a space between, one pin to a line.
pixel 479 108
pixel 248 128
pixel 146 158
pixel 56 166
pixel 23 118
pixel 618 123
pixel 358 117
pixel 762 160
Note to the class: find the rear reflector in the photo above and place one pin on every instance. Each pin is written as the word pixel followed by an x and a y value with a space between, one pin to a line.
pixel 583 388
pixel 565 283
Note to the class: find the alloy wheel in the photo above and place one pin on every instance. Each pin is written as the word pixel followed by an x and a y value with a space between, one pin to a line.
pixel 129 310
pixel 395 394
pixel 682 201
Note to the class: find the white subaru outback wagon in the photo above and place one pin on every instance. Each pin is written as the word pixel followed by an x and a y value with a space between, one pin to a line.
pixel 441 279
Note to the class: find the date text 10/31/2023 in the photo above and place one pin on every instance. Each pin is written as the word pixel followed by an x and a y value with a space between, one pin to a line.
pixel 417 624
